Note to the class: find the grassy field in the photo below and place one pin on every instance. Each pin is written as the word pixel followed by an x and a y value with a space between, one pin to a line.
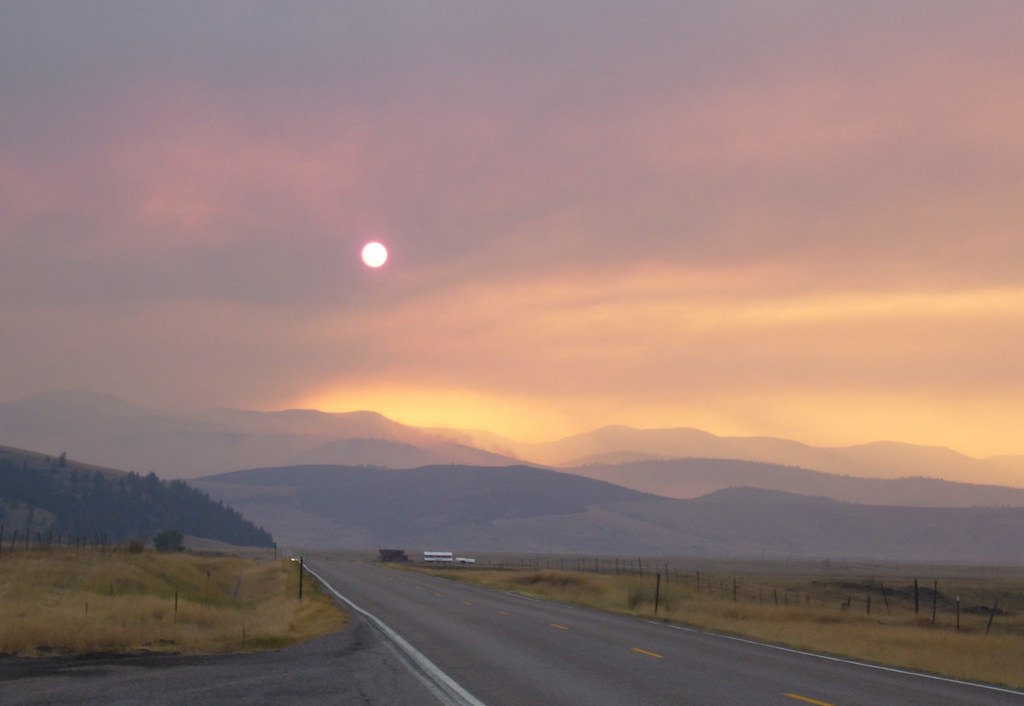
pixel 63 602
pixel 838 613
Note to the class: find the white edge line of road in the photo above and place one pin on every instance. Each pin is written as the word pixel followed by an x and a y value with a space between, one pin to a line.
pixel 443 686
pixel 851 662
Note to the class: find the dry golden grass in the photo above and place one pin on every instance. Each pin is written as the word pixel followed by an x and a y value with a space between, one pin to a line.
pixel 68 602
pixel 809 614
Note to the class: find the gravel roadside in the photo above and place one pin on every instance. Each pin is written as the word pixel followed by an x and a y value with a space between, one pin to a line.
pixel 352 666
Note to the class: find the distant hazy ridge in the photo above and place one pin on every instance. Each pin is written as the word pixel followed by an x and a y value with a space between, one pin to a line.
pixel 531 509
pixel 342 480
pixel 114 433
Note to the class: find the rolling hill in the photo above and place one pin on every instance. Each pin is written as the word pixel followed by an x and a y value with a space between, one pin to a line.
pixel 519 508
pixel 692 477
pixel 46 497
pixel 348 506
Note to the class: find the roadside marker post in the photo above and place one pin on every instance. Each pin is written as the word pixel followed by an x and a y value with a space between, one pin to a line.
pixel 657 593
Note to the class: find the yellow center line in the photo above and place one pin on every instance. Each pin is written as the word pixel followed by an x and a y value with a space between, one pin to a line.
pixel 808 700
pixel 503 612
pixel 649 654
pixel 467 603
pixel 556 625
pixel 439 595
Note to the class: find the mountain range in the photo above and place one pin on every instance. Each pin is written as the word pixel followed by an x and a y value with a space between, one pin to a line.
pixel 119 434
pixel 112 432
pixel 360 480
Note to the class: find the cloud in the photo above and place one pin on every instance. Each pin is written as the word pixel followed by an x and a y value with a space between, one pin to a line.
pixel 716 212
pixel 657 345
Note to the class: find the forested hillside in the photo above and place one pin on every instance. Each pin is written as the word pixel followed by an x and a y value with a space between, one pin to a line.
pixel 45 495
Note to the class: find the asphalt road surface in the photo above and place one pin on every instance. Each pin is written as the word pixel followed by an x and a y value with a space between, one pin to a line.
pixel 417 640
pixel 506 650
pixel 354 666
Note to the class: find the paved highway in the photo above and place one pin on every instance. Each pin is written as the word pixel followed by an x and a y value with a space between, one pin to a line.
pixel 507 650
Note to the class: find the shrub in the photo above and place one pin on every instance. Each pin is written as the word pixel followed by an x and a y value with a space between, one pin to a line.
pixel 169 540
pixel 136 546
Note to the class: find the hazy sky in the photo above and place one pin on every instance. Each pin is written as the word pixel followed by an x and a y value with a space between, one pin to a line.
pixel 799 219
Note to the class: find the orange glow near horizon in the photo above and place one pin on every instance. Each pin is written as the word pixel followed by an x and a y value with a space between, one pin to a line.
pixel 722 351
pixel 519 420
pixel 822 421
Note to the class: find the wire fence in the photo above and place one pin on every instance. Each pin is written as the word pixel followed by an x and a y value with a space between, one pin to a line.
pixel 969 599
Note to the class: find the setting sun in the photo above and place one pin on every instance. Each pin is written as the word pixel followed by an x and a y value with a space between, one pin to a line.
pixel 374 254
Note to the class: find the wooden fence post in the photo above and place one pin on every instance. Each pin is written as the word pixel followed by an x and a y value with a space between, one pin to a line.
pixel 992 614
